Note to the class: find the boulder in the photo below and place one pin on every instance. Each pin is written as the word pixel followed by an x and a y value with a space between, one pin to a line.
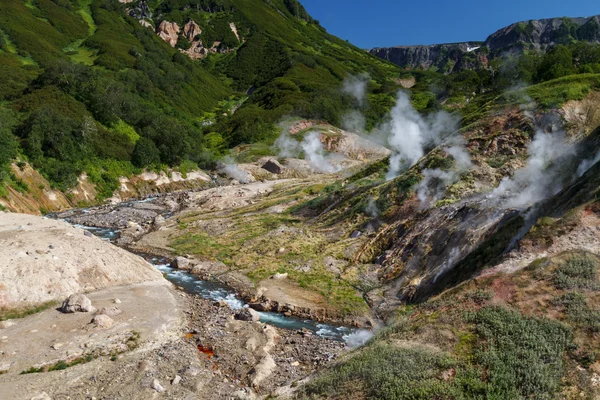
pixel 280 276
pixel 158 222
pixel 182 263
pixel 273 166
pixel 77 303
pixel 103 321
pixel 247 314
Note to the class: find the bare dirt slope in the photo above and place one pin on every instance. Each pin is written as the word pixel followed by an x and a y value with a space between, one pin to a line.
pixel 43 260
pixel 149 315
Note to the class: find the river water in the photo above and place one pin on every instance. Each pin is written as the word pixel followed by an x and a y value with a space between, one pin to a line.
pixel 215 291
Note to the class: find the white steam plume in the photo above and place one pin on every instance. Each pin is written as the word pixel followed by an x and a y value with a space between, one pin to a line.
pixel 587 164
pixel 410 134
pixel 354 121
pixel 435 181
pixel 357 338
pixel 315 153
pixel 536 180
pixel 286 146
pixel 231 169
pixel 311 146
pixel 356 86
pixel 371 208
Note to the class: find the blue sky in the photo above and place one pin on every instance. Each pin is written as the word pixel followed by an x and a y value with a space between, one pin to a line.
pixel 384 23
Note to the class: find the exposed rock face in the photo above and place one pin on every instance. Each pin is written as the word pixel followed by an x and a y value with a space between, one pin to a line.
pixel 533 34
pixel 169 32
pixel 538 33
pixel 234 30
pixel 442 56
pixel 191 30
pixel 77 303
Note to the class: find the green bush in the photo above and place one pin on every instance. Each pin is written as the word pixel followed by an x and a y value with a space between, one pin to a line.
pixel 145 153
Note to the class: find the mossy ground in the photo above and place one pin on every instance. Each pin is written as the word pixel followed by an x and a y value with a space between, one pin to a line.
pixel 260 244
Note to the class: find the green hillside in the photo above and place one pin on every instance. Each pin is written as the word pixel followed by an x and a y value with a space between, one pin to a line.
pixel 87 88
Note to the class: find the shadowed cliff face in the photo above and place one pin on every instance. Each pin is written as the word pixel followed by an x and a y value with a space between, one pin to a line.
pixel 444 57
pixel 533 34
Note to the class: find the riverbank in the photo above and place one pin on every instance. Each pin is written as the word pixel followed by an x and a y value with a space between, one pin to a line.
pixel 159 340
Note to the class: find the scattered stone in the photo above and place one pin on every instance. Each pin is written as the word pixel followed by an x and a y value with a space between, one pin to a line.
pixel 42 396
pixel 5 367
pixel 295 364
pixel 355 234
pixel 103 321
pixel 88 233
pixel 110 311
pixel 193 370
pixel 176 380
pixel 281 250
pixel 6 324
pixel 273 166
pixel 77 303
pixel 56 346
pixel 143 366
pixel 157 386
pixel 280 276
pixel 117 301
pixel 51 246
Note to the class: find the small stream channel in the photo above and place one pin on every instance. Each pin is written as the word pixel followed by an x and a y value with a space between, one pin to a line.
pixel 215 291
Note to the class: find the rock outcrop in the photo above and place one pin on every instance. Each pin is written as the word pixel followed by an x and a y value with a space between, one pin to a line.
pixel 273 166
pixel 169 32
pixel 444 57
pixel 191 30
pixel 44 260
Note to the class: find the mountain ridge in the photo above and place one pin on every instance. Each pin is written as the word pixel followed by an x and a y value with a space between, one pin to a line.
pixel 534 34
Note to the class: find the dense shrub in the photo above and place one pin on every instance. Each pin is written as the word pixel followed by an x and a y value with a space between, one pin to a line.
pixel 579 272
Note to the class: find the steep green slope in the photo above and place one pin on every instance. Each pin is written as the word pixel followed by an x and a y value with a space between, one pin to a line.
pixel 85 80
pixel 285 61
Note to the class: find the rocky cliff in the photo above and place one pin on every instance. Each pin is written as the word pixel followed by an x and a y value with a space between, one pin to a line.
pixel 443 57
pixel 533 34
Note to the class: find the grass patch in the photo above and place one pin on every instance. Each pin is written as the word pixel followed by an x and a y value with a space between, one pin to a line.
pixel 558 91
pixel 24 312
pixel 60 365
